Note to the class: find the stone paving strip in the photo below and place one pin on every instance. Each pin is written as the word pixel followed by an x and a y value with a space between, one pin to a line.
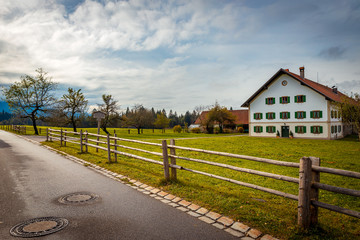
pixel 217 220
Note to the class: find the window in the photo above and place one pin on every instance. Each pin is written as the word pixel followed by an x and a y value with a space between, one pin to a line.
pixel 270 129
pixel 300 115
pixel 316 129
pixel 270 115
pixel 316 114
pixel 257 116
pixel 332 129
pixel 270 100
pixel 284 100
pixel 284 115
pixel 300 129
pixel 339 128
pixel 258 129
pixel 300 98
pixel 335 114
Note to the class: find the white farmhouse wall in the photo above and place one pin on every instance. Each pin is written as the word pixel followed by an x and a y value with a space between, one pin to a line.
pixel 314 102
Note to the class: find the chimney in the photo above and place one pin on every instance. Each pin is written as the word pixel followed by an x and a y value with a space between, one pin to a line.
pixel 334 89
pixel 302 72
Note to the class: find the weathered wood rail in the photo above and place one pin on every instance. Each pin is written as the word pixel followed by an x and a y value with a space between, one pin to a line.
pixel 308 181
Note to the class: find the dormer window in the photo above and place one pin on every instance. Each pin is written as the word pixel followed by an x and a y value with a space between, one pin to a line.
pixel 284 100
pixel 300 98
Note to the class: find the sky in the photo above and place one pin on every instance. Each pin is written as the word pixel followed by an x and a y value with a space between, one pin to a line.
pixel 179 54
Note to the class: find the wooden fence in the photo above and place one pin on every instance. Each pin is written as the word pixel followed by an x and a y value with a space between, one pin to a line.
pixel 308 181
pixel 15 128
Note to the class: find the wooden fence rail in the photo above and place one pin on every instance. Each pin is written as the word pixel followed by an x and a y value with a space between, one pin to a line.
pixel 308 181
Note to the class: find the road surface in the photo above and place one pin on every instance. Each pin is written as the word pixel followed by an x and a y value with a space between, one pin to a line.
pixel 32 179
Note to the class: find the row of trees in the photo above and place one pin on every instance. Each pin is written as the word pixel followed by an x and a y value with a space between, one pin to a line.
pixel 33 98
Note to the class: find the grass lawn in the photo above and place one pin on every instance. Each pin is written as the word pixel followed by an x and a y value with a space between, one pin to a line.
pixel 269 213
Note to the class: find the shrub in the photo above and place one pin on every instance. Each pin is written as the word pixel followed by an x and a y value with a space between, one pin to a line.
pixel 195 130
pixel 240 129
pixel 177 129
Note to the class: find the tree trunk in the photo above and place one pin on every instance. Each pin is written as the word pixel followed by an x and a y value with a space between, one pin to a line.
pixel 138 130
pixel 73 122
pixel 105 130
pixel 34 125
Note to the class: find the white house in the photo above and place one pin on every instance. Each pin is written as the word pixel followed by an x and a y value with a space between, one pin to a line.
pixel 291 104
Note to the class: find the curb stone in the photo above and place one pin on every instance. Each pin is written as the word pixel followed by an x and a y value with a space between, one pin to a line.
pixel 219 221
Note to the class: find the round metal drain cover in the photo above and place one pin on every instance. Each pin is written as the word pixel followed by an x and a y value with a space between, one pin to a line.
pixel 79 198
pixel 38 227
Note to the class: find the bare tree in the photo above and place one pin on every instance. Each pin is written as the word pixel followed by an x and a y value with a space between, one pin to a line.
pixel 72 106
pixel 32 97
pixel 110 108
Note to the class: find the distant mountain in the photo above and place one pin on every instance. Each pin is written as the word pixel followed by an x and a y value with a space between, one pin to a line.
pixel 4 107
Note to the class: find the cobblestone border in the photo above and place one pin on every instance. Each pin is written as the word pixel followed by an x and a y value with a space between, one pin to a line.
pixel 219 221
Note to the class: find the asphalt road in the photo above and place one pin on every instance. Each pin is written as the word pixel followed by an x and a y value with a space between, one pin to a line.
pixel 33 178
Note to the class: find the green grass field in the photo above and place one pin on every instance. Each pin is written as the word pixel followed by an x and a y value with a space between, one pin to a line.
pixel 269 213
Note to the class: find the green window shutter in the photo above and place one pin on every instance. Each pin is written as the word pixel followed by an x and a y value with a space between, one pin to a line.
pixel 267 115
pixel 260 115
pixel 254 128
pixel 288 115
pixel 261 129
pixel 273 115
pixel 311 114
pixel 320 114
pixel 321 129
pixel 280 99
pixel 296 129
pixel 288 99
pixel 296 114
pixel 280 116
pixel 266 101
pixel 295 99
pixel 254 115
pixel 312 129
pixel 304 114
pixel 273 100
pixel 304 129
pixel 274 129
pixel 267 129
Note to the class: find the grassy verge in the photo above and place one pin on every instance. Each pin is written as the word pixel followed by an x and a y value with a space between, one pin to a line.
pixel 269 213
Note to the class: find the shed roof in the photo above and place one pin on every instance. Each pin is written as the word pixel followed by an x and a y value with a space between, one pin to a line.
pixel 241 116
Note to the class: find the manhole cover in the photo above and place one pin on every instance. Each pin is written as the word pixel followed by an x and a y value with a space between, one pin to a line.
pixel 79 198
pixel 38 227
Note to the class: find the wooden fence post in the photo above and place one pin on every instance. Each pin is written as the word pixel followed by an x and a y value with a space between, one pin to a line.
pixel 108 148
pixel 86 141
pixel 65 138
pixel 173 160
pixel 314 192
pixel 47 134
pixel 61 137
pixel 115 143
pixel 165 160
pixel 304 193
pixel 81 141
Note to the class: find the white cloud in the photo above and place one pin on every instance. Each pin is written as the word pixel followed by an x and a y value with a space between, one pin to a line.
pixel 174 54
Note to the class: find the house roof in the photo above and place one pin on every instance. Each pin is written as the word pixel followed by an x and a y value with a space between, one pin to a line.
pixel 241 116
pixel 327 92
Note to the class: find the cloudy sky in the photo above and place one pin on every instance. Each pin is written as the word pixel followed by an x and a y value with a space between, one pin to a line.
pixel 179 54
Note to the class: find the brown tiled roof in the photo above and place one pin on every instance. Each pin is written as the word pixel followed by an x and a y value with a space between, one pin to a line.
pixel 241 116
pixel 317 87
